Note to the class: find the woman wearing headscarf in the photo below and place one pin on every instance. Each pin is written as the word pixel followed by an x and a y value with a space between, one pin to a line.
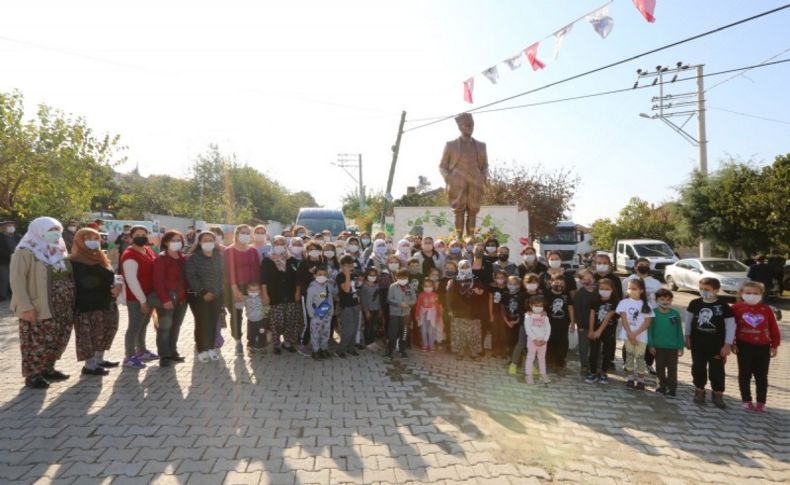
pixel 261 241
pixel 463 293
pixel 96 318
pixel 43 300
pixel 280 289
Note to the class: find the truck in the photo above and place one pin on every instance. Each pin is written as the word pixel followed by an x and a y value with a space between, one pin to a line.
pixel 568 240
pixel 506 222
pixel 659 253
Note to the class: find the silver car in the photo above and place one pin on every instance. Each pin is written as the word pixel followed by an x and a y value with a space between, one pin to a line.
pixel 686 273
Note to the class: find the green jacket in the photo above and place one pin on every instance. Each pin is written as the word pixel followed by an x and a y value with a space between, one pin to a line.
pixel 666 331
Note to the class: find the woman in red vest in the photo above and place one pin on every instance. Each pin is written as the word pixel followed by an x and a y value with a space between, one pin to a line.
pixel 137 268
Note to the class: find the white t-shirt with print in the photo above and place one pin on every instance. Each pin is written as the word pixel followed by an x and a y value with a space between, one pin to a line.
pixel 634 316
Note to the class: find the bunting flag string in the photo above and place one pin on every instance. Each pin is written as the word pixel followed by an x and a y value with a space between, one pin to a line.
pixel 601 22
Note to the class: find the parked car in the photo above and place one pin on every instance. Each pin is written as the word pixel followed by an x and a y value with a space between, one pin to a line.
pixel 317 220
pixel 686 273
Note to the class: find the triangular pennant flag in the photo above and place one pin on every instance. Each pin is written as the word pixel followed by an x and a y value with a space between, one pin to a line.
pixel 532 57
pixel 601 21
pixel 558 38
pixel 646 8
pixel 469 87
pixel 514 62
pixel 492 74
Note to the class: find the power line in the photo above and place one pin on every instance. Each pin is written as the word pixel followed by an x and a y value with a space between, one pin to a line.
pixel 744 72
pixel 758 117
pixel 608 66
pixel 617 91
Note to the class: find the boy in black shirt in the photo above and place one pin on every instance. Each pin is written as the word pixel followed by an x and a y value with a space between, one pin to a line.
pixel 498 292
pixel 349 307
pixel 513 312
pixel 710 330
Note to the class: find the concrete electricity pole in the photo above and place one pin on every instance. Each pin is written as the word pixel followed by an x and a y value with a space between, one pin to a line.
pixel 348 161
pixel 681 105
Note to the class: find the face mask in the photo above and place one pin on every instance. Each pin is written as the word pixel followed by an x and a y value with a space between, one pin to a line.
pixel 529 258
pixel 278 249
pixel 634 294
pixel 321 279
pixel 72 228
pixel 557 288
pixel 587 283
pixel 300 234
pixel 464 274
pixel 707 295
pixel 381 250
pixel 643 270
pixel 52 236
pixel 297 250
pixel 532 286
pixel 434 277
pixel 353 248
pixel 393 267
pixel 750 299
pixel 414 270
pixel 555 263
pixel 260 238
pixel 427 247
pixel 92 244
pixel 314 253
pixel 329 254
pixel 372 279
pixel 404 249
pixel 537 309
pixel 504 257
pixel 513 288
pixel 428 290
pixel 491 249
pixel 601 268
pixel 403 282
pixel 10 229
pixel 441 249
pixel 455 250
pixel 664 304
pixel 605 293
pixel 501 282
pixel 207 247
pixel 470 247
pixel 175 246
pixel 140 240
pixel 451 273
pixel 253 293
pixel 244 238
pixel 365 241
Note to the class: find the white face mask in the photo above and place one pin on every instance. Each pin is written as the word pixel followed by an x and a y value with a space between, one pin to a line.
pixel 751 299
pixel 464 274
pixel 260 238
pixel 372 279
pixel 10 229
pixel 605 293
pixel 253 293
pixel 427 247
pixel 532 286
pixel 329 254
pixel 314 253
pixel 393 266
pixel 537 309
pixel 352 248
pixel 491 249
pixel 381 250
pixel 365 241
pixel 52 236
pixel 428 290
pixel 72 228
pixel 529 258
pixel 321 279
pixel 297 250
pixel 555 263
pixel 244 238
pixel 601 268
pixel 175 246
pixel 278 249
pixel 403 282
pixel 404 249
pixel 207 247
pixel 92 244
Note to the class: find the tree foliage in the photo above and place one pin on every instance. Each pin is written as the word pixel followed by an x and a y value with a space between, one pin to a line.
pixel 639 220
pixel 51 164
pixel 374 203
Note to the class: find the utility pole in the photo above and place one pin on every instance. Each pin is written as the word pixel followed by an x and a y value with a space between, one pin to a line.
pixel 348 161
pixel 395 150
pixel 682 105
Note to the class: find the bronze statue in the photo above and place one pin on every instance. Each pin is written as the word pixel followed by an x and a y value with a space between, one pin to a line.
pixel 464 167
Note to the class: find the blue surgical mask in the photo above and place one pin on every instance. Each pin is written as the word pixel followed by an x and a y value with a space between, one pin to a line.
pixel 707 295
pixel 455 250
pixel 51 237
pixel 92 244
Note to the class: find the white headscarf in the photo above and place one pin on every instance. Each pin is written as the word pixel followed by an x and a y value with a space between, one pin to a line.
pixel 50 254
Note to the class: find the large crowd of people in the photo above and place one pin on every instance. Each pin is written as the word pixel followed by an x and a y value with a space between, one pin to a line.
pixel 334 297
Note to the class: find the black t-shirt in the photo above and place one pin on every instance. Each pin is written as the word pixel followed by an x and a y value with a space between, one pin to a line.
pixel 513 305
pixel 347 298
pixel 498 295
pixel 707 323
pixel 93 283
pixel 538 269
pixel 415 282
pixel 602 308
pixel 280 285
pixel 558 307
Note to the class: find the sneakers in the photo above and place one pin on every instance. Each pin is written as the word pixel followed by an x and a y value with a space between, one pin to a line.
pixel 699 396
pixel 213 355
pixel 651 370
pixel 591 379
pixel 325 354
pixel 36 382
pixel 629 383
pixel 317 356
pixel 530 380
pixel 147 355
pixel 98 371
pixel 603 379
pixel 640 385
pixel 305 351
pixel 133 362
pixel 176 358
pixel 107 364
pixel 545 380
pixel 239 349
pixel 760 407
pixel 511 369
pixel 661 390
pixel 289 348
pixel 747 406
pixel 353 352
pixel 54 375
pixel 342 355
pixel 203 357
pixel 718 400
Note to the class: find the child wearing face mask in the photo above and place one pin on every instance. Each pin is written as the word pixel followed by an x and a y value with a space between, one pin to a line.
pixel 531 283
pixel 530 263
pixel 401 298
pixel 636 317
pixel 497 294
pixel 538 330
pixel 601 332
pixel 561 317
pixel 256 316
pixel 665 341
pixel 556 270
pixel 429 315
pixel 710 329
pixel 455 251
pixel 370 299
pixel 652 285
pixel 512 311
pixel 757 339
pixel 320 308
pixel 582 303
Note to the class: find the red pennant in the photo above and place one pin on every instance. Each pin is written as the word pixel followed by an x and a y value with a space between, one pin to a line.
pixel 646 8
pixel 469 87
pixel 532 57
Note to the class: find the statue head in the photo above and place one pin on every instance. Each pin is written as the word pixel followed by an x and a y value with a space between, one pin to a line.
pixel 466 124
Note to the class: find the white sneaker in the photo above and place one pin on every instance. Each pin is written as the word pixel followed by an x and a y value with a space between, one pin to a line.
pixel 203 357
pixel 545 380
pixel 213 355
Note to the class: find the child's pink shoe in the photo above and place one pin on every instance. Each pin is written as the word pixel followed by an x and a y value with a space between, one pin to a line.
pixel 760 407
pixel 747 406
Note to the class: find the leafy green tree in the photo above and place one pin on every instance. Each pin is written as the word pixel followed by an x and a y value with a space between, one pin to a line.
pixel 50 164
pixel 639 220
pixel 374 203
pixel 604 233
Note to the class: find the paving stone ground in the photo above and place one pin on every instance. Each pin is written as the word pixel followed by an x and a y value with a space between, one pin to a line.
pixel 426 419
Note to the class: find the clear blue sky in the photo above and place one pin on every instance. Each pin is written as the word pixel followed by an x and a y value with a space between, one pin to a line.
pixel 287 87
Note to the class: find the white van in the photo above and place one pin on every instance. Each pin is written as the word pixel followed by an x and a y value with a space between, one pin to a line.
pixel 627 251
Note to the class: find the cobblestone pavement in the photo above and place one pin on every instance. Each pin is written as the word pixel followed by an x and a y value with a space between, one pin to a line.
pixel 428 418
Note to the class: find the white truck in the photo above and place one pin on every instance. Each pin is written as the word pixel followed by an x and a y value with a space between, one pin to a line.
pixel 659 253
pixel 568 240
pixel 506 221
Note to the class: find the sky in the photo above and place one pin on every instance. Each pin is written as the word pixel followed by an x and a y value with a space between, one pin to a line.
pixel 286 86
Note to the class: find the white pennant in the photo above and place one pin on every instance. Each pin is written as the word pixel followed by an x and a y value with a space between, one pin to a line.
pixel 514 62
pixel 601 21
pixel 559 36
pixel 492 74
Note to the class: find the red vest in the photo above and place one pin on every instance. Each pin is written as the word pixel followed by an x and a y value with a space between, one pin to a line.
pixel 145 270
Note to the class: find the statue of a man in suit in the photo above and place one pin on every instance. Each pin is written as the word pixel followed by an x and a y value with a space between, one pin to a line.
pixel 464 167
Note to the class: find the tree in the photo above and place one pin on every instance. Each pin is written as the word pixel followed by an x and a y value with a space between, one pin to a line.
pixel 639 220
pixel 374 203
pixel 547 196
pixel 604 233
pixel 52 164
